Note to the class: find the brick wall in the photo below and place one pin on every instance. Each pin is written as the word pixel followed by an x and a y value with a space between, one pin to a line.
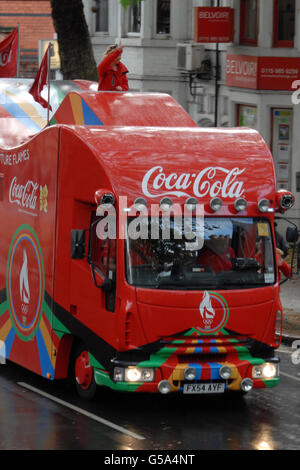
pixel 34 18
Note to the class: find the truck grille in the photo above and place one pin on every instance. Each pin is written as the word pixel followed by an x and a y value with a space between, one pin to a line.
pixel 209 346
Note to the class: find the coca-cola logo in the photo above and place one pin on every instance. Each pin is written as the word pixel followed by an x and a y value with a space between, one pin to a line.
pixel 24 195
pixel 211 181
pixel 5 57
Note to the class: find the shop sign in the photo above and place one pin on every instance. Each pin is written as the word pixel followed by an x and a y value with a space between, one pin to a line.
pixel 278 73
pixel 241 71
pixel 213 24
pixel 262 73
pixel 54 56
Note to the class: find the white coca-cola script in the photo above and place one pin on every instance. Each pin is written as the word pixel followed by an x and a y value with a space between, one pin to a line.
pixel 211 181
pixel 25 195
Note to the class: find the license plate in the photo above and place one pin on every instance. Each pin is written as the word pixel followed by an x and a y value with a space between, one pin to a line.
pixel 204 388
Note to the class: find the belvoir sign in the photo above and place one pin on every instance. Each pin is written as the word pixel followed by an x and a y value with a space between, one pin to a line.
pixel 262 73
pixel 213 24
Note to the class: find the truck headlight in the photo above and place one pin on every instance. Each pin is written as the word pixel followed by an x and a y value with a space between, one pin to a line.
pixel 133 374
pixel 268 370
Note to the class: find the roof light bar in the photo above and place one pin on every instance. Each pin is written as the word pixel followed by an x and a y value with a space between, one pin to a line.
pixel 140 204
pixel 166 203
pixel 191 203
pixel 215 204
pixel 240 204
pixel 263 205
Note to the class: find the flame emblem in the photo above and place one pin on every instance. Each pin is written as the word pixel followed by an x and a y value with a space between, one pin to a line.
pixel 206 309
pixel 24 284
pixel 214 312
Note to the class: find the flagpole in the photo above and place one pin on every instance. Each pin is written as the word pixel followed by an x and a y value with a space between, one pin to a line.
pixel 18 53
pixel 48 80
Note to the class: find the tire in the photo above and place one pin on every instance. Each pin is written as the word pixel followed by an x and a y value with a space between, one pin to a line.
pixel 83 373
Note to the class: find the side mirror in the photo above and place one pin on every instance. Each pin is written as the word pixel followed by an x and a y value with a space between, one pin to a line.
pixel 78 244
pixel 107 285
pixel 291 234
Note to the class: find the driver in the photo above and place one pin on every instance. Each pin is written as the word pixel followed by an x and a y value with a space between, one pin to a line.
pixel 217 253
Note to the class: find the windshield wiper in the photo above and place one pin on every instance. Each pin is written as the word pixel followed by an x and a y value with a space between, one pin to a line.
pixel 188 284
pixel 231 279
pixel 245 264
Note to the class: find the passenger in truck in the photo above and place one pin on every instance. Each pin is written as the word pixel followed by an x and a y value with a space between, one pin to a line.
pixel 283 266
pixel 280 242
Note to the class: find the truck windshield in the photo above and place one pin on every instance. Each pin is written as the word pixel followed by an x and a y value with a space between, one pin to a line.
pixel 233 253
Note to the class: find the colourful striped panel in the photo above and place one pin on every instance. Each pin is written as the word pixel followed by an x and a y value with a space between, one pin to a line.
pixel 24 112
pixel 45 360
pixel 90 118
pixel 76 105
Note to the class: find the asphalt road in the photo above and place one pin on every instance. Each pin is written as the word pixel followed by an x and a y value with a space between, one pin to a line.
pixel 39 415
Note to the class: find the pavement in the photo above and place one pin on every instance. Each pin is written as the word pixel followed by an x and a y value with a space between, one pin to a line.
pixel 290 299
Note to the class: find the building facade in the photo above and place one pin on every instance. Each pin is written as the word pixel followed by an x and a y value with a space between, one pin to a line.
pixel 258 70
pixel 35 24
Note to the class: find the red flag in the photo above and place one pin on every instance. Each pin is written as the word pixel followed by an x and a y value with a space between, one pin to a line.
pixel 41 80
pixel 9 55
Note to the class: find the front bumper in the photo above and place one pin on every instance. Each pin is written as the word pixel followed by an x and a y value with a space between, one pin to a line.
pixel 171 376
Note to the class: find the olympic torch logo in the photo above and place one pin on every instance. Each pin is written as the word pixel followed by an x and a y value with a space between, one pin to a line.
pixel 206 310
pixel 24 287
pixel 214 312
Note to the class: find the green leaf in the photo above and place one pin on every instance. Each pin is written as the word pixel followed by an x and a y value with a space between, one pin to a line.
pixel 127 3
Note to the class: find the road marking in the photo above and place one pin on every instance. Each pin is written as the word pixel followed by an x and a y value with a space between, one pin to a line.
pixel 285 351
pixel 83 412
pixel 290 376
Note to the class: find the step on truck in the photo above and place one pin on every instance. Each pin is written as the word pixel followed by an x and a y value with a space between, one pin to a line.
pixel 137 250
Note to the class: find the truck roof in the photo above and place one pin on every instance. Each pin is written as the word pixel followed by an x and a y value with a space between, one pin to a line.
pixel 146 142
pixel 154 162
pixel 78 102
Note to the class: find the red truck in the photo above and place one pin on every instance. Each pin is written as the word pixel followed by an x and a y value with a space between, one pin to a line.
pixel 136 313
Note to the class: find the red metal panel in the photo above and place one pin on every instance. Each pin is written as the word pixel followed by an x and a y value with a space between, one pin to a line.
pixel 27 245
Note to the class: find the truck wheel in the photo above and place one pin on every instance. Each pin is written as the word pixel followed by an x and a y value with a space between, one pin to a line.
pixel 84 374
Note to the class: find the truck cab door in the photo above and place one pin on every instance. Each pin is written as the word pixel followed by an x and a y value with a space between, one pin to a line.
pixel 102 257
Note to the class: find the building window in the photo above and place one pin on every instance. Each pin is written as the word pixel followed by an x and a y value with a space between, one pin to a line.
pixel 284 23
pixel 101 9
pixel 246 116
pixel 134 17
pixel 163 17
pixel 248 22
pixel 201 103
pixel 225 106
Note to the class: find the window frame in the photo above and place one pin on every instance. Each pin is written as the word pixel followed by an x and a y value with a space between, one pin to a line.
pixel 279 42
pixel 104 269
pixel 243 39
pixel 128 21
pixel 239 107
pixel 155 22
pixel 100 32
